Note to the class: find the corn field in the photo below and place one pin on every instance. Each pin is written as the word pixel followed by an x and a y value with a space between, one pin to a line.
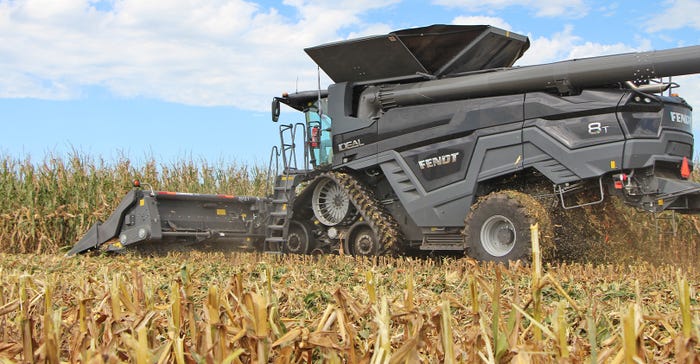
pixel 47 206
pixel 631 297
pixel 247 308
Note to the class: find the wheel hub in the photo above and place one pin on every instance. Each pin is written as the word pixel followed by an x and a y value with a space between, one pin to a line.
pixel 330 203
pixel 364 244
pixel 363 240
pixel 498 235
pixel 505 235
pixel 298 239
pixel 294 241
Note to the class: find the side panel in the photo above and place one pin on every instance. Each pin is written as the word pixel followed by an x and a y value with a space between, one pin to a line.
pixel 573 137
pixel 562 165
pixel 407 128
pixel 417 126
pixel 142 222
pixel 340 107
pixel 187 215
pixel 669 147
pixel 353 137
pixel 441 164
pixel 204 213
pixel 447 206
pixel 434 155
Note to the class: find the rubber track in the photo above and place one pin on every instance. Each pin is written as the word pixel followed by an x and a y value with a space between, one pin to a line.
pixel 371 210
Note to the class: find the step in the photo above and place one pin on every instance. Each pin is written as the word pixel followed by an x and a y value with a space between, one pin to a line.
pixel 282 201
pixel 275 227
pixel 279 213
pixel 274 239
pixel 443 242
pixel 442 246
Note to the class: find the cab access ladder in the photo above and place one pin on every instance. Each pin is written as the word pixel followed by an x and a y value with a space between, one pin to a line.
pixel 284 186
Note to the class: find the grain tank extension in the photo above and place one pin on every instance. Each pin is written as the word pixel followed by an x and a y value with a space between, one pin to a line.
pixel 429 139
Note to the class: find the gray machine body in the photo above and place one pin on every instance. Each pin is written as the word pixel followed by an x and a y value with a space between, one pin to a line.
pixel 436 178
pixel 431 118
pixel 438 136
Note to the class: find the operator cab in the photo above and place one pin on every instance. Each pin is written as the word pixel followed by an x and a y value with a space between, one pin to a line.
pixel 314 105
pixel 318 125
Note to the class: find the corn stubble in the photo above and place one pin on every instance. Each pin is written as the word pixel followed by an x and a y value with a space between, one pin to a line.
pixel 248 308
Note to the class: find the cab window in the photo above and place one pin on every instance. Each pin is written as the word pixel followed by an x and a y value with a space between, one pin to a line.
pixel 319 127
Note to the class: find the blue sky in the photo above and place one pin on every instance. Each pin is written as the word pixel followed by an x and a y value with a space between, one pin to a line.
pixel 173 79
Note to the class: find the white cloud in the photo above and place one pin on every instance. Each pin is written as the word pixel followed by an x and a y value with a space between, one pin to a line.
pixel 541 8
pixel 482 20
pixel 566 45
pixel 198 52
pixel 678 14
pixel 371 30
pixel 20 85
pixel 609 9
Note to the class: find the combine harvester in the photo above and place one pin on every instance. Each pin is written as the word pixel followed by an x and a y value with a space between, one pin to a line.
pixel 430 140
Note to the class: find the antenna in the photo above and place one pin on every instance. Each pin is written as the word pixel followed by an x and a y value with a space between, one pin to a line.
pixel 318 78
pixel 297 85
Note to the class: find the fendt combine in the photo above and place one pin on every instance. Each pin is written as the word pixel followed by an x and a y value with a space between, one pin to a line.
pixel 430 140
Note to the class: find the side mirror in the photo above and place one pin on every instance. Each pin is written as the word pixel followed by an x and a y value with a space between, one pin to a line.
pixel 275 109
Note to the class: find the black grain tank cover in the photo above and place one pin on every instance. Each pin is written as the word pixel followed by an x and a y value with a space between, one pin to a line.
pixel 436 50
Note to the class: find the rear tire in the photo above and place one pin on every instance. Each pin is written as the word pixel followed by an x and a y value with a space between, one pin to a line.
pixel 498 227
pixel 299 240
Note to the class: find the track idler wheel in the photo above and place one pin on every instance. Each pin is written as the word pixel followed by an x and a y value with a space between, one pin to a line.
pixel 363 241
pixel 498 227
pixel 299 239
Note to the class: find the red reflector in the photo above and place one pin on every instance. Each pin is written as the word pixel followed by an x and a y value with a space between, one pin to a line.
pixel 685 168
pixel 618 185
pixel 226 196
pixel 166 193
